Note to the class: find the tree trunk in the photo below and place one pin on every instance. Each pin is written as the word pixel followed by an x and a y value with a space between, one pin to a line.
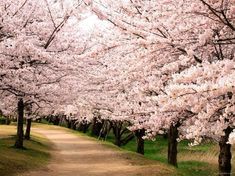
pixel 56 120
pixel 117 134
pixel 69 124
pixel 28 129
pixel 80 127
pixel 85 128
pixel 225 154
pixel 172 144
pixel 96 127
pixel 20 125
pixel 106 128
pixel 118 141
pixel 73 125
pixel 8 120
pixel 140 141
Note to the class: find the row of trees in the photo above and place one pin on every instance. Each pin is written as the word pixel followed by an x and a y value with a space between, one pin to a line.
pixel 170 69
pixel 154 67
pixel 40 51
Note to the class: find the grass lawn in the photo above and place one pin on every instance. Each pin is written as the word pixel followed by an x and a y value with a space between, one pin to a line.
pixel 14 161
pixel 197 160
pixel 192 161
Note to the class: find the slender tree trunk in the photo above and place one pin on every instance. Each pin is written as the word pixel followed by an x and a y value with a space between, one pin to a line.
pixel 69 124
pixel 225 154
pixel 28 129
pixel 172 144
pixel 140 141
pixel 20 125
pixel 106 128
pixel 56 120
pixel 96 127
pixel 8 120
pixel 118 141
pixel 80 127
pixel 86 127
pixel 121 133
pixel 73 124
pixel 116 132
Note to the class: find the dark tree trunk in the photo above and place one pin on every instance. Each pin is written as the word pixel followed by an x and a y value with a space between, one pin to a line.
pixel 80 127
pixel 8 121
pixel 118 140
pixel 225 154
pixel 172 144
pixel 28 129
pixel 20 125
pixel 69 124
pixel 83 127
pixel 121 133
pixel 117 133
pixel 96 127
pixel 56 120
pixel 73 124
pixel 49 119
pixel 106 128
pixel 140 141
pixel 127 139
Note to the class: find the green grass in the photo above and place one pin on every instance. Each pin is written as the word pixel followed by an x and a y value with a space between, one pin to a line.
pixel 198 160
pixel 192 161
pixel 44 121
pixel 14 161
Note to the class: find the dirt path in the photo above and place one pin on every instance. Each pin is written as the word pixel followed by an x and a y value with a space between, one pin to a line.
pixel 76 155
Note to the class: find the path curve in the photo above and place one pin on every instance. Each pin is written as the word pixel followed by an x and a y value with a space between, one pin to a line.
pixel 75 155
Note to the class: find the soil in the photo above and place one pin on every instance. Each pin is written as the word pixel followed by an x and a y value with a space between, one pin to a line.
pixel 75 155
